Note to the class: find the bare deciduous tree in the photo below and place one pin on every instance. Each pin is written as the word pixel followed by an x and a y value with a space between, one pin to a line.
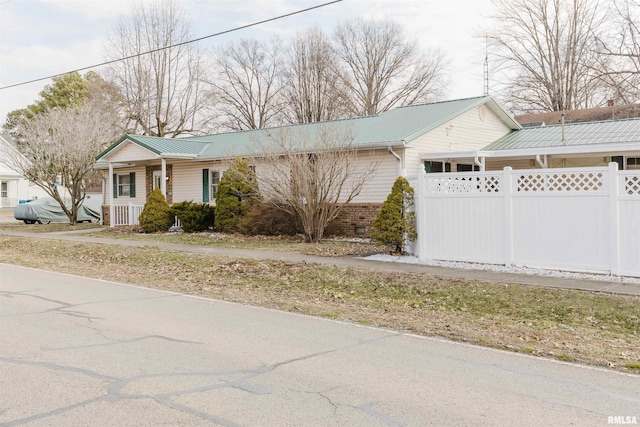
pixel 312 89
pixel 545 53
pixel 60 145
pixel 382 69
pixel 162 89
pixel 310 174
pixel 620 49
pixel 246 85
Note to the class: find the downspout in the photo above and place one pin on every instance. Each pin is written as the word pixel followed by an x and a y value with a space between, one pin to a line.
pixel 401 171
pixel 542 162
pixel 480 162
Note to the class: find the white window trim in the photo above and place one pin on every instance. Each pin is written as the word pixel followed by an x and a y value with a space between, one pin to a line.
pixel 156 176
pixel 213 186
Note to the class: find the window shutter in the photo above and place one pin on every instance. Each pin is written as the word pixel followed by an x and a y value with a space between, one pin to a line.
pixel 205 185
pixel 115 186
pixel 132 184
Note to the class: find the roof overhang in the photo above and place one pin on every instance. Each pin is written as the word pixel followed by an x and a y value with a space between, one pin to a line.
pixel 382 145
pixel 572 150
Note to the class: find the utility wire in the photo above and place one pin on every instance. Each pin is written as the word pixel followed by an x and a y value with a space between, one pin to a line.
pixel 174 45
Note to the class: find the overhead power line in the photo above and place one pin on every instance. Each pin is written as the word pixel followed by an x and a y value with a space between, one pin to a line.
pixel 174 45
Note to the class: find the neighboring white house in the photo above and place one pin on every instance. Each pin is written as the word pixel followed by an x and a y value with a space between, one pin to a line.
pixel 14 188
pixel 190 168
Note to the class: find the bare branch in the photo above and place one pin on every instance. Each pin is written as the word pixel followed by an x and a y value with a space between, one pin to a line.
pixel 310 173
pixel 382 69
pixel 59 150
pixel 161 90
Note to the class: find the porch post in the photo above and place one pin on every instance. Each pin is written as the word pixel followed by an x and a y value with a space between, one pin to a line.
pixel 163 178
pixel 112 209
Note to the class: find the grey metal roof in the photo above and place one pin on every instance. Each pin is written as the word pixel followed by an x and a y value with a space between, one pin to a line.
pixel 394 127
pixel 575 134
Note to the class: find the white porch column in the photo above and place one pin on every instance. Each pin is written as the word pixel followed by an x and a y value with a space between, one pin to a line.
pixel 112 209
pixel 163 178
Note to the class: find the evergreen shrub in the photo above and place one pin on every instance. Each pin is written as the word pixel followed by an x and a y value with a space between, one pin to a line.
pixel 237 191
pixel 194 217
pixel 156 215
pixel 395 224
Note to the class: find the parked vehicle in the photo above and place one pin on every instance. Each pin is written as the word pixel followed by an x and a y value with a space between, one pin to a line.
pixel 47 209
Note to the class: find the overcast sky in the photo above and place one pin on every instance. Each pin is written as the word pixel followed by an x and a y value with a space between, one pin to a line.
pixel 39 38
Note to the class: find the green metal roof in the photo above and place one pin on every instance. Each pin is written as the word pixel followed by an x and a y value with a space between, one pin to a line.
pixel 575 134
pixel 394 127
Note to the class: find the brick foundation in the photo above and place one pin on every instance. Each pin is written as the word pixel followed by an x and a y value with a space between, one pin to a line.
pixel 355 220
pixel 105 214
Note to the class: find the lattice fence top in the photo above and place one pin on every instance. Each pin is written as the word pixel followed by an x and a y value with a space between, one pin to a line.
pixel 632 185
pixel 574 182
pixel 464 184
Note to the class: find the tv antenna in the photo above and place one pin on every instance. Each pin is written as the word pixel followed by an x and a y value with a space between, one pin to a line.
pixel 486 66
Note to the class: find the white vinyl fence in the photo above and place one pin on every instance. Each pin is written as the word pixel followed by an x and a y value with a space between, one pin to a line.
pixel 579 219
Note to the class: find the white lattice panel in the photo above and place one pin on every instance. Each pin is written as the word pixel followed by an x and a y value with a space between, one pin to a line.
pixel 464 184
pixel 588 182
pixel 632 185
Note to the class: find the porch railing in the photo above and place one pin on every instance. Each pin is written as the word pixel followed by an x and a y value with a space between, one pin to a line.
pixel 126 214
pixel 129 214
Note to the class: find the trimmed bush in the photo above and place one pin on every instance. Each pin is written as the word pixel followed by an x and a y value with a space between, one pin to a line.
pixel 156 215
pixel 264 219
pixel 194 217
pixel 237 191
pixel 395 224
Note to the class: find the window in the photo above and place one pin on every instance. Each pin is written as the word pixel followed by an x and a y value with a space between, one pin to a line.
pixel 435 167
pixel 633 163
pixel 213 182
pixel 460 167
pixel 124 185
pixel 210 180
pixel 4 192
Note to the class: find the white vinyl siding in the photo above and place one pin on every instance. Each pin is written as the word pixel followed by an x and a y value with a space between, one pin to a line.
pixel 379 184
pixel 130 152
pixel 466 132
pixel 139 183
pixel 187 180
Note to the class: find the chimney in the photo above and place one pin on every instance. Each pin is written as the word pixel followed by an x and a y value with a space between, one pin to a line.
pixel 610 103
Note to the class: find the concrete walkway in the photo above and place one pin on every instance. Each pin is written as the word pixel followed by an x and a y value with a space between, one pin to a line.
pixel 354 262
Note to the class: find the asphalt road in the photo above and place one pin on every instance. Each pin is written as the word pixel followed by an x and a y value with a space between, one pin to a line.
pixel 78 351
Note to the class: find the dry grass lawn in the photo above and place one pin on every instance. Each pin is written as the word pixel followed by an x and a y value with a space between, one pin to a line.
pixel 585 327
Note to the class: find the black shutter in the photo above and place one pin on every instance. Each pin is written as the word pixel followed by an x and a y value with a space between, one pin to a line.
pixel 205 185
pixel 132 184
